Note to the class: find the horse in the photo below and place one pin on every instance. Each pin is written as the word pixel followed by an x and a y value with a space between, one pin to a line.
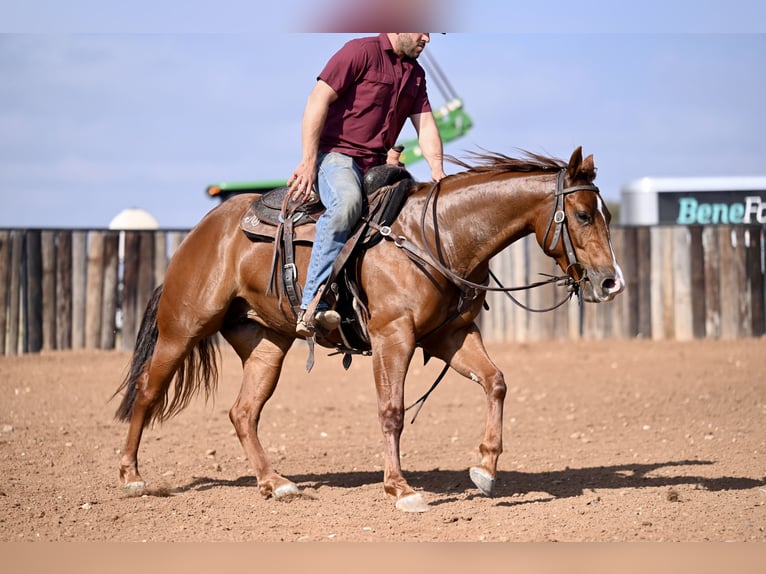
pixel 423 287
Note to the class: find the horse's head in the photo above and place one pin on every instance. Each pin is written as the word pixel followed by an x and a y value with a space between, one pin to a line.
pixel 576 232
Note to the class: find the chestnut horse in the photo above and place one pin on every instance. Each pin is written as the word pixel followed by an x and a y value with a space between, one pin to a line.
pixel 417 295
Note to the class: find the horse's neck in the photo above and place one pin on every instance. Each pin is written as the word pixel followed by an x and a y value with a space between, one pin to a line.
pixel 480 216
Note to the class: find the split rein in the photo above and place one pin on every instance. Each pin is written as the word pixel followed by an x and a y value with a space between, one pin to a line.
pixel 469 289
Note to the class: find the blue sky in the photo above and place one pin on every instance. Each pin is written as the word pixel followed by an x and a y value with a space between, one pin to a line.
pixel 103 109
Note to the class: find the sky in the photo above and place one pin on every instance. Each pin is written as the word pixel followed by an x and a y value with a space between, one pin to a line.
pixel 113 105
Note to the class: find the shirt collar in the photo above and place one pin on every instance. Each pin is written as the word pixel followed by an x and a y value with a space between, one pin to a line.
pixel 385 43
pixel 386 46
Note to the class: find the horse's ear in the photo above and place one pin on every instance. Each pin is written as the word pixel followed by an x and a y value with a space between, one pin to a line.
pixel 588 166
pixel 574 163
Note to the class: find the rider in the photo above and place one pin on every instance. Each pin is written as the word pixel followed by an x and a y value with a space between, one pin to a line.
pixel 353 116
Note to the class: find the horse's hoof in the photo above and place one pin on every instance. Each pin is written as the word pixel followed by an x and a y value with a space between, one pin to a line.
pixel 482 480
pixel 412 503
pixel 134 487
pixel 286 490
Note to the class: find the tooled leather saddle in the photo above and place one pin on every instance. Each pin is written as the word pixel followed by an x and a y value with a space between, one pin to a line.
pixel 275 217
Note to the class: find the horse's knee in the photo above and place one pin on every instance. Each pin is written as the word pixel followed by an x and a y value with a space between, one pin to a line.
pixel 495 387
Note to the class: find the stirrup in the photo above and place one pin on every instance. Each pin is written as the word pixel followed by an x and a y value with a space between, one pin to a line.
pixel 304 328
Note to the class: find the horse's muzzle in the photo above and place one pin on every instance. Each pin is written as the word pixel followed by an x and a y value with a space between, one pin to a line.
pixel 602 286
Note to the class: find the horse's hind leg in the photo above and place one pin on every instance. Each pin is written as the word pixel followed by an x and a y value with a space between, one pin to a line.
pixel 262 353
pixel 151 387
pixel 464 351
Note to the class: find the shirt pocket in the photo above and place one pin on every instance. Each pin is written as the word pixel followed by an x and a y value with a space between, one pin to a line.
pixel 408 98
pixel 380 83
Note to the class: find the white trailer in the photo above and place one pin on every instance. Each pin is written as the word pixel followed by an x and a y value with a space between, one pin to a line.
pixel 694 201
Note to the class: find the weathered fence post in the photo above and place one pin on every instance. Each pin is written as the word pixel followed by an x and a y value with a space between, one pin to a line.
pixel 729 290
pixel 111 262
pixel 682 287
pixel 138 282
pixel 712 288
pixel 697 278
pixel 63 290
pixel 95 290
pixel 5 263
pixel 79 287
pixel 14 287
pixel 754 242
pixel 33 301
pixel 49 289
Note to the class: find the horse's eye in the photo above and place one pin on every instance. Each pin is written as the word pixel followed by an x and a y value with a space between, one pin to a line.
pixel 583 217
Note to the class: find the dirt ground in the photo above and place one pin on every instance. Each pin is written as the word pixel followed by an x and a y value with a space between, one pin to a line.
pixel 604 441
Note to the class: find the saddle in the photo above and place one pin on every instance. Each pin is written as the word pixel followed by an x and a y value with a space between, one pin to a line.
pixel 275 208
pixel 274 217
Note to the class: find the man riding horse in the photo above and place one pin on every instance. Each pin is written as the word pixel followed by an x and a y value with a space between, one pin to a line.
pixel 353 117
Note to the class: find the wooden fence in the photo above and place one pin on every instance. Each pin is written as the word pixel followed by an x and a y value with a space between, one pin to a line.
pixel 72 289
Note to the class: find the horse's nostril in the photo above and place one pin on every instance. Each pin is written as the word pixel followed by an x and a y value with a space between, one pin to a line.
pixel 612 285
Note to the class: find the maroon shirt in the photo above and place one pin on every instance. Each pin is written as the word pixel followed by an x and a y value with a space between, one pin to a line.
pixel 377 92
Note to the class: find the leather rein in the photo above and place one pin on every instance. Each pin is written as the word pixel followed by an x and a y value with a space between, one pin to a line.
pixel 470 290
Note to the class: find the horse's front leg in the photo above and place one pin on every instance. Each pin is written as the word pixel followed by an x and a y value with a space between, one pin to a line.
pixel 464 351
pixel 391 358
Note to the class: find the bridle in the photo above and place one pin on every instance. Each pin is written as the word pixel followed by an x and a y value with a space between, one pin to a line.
pixel 561 229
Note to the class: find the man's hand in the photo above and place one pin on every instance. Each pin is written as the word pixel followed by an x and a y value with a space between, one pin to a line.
pixel 393 155
pixel 301 183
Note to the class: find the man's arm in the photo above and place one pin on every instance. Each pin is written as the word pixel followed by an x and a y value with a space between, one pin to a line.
pixel 430 143
pixel 314 117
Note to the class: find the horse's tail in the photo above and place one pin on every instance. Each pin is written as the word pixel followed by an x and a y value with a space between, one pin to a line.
pixel 199 370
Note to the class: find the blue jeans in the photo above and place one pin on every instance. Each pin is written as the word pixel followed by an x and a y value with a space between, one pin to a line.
pixel 339 183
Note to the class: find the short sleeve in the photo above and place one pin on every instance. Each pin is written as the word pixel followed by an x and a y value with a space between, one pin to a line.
pixel 345 67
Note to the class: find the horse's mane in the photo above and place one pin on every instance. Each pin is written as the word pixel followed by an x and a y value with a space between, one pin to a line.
pixel 492 162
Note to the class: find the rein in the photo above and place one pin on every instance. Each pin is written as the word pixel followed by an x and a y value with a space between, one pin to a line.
pixel 470 289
